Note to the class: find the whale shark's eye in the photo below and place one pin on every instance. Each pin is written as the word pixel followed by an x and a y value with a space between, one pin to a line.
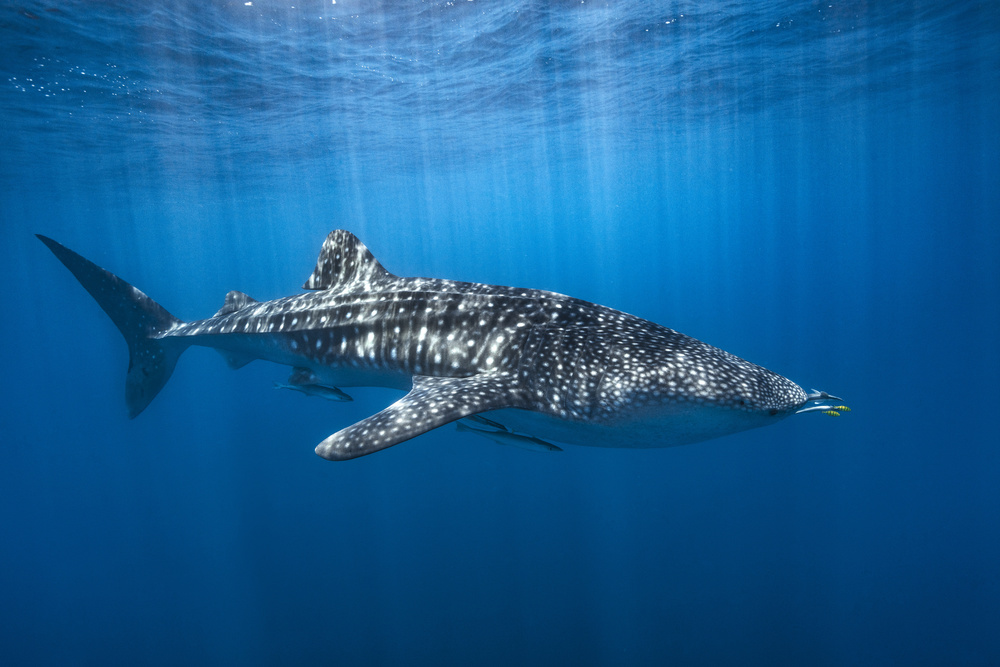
pixel 773 411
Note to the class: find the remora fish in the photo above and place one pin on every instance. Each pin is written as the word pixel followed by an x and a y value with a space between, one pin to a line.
pixel 537 362
pixel 329 393
pixel 505 437
pixel 305 381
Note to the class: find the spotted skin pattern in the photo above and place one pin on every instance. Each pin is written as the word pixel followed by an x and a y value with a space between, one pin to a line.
pixel 566 369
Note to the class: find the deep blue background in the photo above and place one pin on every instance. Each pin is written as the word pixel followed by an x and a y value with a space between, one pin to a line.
pixel 810 186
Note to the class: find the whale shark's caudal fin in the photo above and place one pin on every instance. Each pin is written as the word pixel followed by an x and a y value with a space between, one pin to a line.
pixel 139 318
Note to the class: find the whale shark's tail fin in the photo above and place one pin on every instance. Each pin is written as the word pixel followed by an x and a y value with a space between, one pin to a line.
pixel 139 318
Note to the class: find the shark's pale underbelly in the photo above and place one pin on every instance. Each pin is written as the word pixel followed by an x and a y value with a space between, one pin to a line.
pixel 682 426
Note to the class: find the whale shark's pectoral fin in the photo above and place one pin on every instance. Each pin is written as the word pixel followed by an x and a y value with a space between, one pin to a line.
pixel 432 402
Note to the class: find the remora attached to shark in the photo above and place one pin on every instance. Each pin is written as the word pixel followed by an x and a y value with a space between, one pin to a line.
pixel 532 361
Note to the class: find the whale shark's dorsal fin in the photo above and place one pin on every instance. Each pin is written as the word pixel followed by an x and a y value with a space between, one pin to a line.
pixel 235 300
pixel 344 260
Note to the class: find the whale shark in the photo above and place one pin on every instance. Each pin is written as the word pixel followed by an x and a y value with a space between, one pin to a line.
pixel 531 362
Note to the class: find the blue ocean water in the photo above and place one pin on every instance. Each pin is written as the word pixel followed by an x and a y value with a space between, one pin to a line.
pixel 813 186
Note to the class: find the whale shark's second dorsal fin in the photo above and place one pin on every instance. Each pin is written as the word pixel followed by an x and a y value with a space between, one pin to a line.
pixel 343 261
pixel 235 300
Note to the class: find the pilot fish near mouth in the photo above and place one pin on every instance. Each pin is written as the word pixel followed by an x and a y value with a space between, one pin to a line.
pixel 537 365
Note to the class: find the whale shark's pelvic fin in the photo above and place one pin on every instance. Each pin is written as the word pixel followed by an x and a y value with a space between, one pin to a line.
pixel 432 402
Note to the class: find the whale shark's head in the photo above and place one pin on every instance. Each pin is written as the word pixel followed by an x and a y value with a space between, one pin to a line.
pixel 693 392
pixel 748 388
